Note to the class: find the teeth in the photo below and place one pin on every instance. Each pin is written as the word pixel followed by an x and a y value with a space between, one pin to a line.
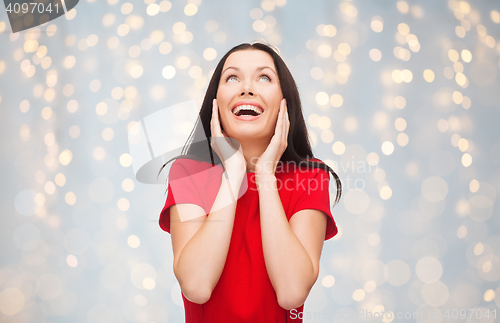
pixel 247 107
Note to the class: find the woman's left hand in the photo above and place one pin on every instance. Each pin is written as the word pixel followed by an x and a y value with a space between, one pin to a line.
pixel 268 161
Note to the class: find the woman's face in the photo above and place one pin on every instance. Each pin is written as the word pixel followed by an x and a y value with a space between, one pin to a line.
pixel 249 81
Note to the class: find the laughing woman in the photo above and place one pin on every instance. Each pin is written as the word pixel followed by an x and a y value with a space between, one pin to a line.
pixel 248 206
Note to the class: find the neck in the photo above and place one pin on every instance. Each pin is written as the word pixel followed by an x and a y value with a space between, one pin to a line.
pixel 252 150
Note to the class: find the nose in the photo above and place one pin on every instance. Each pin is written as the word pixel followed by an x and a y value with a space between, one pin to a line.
pixel 246 90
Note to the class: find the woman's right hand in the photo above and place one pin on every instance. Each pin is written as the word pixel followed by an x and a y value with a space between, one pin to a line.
pixel 232 159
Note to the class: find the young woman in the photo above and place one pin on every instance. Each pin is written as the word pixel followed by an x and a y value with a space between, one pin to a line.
pixel 248 207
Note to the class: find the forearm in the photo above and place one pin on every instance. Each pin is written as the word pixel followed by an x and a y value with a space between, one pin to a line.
pixel 288 264
pixel 202 259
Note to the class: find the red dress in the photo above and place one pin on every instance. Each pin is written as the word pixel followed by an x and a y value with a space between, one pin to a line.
pixel 244 292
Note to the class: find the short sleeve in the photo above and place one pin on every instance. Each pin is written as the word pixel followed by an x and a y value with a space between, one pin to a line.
pixel 317 196
pixel 181 189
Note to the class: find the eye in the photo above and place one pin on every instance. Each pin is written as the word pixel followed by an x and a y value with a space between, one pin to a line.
pixel 230 77
pixel 266 77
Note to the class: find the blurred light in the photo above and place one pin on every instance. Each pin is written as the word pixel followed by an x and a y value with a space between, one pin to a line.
pixel 70 198
pixel 72 261
pixel 358 295
pixel 385 192
pixel 123 204
pixel 190 9
pixel 402 139
pixel 74 131
pixel 338 148
pixel 125 160
pixel 429 269
pixel 402 6
pixel 65 157
pixel 322 98
pixel 133 241
pixel 60 179
pixel 462 232
pixel 387 147
pixel 168 72
pixel 99 153
pixel 375 54
pixel 153 9
pixel 403 29
pixel 328 281
pixel 377 24
pixel 336 100
pixel 489 295
pixel 370 286
pixel 466 160
pixel 400 124
pixel 127 8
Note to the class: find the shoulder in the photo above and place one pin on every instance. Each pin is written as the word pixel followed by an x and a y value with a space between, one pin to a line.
pixel 304 170
pixel 189 166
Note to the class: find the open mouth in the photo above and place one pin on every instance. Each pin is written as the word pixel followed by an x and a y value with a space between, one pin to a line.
pixel 247 110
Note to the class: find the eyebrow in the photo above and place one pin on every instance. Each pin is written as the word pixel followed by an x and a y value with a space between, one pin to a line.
pixel 257 69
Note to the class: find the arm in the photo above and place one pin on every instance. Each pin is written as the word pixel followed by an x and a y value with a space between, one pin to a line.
pixel 200 247
pixel 291 249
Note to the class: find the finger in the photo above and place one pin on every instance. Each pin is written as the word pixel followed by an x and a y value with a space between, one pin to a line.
pixel 284 128
pixel 216 130
pixel 279 124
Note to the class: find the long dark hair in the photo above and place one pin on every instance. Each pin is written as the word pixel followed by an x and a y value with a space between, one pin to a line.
pixel 298 151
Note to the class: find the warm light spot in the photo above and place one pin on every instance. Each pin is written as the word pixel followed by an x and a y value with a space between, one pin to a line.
pixel 60 179
pixel 108 134
pixel 370 286
pixel 400 124
pixel 478 249
pixel 358 295
pixel 125 160
pixel 328 281
pixel 474 186
pixel 463 144
pixel 70 198
pixel 99 153
pixel 123 204
pixel 462 232
pixel 375 54
pixel 387 147
pixel 403 29
pixel 128 185
pixel 65 157
pixel 453 55
pixel 443 125
pixel 72 261
pixel 322 98
pixel 336 100
pixel 190 9
pixel 385 192
pixel 133 241
pixel 489 295
pixel 400 102
pixel 466 56
pixel 338 148
pixel 209 54
pixel 402 139
pixel 495 16
pixel 168 72
pixel 101 108
pixel 149 283
pixel 402 6
pixel 152 9
pixel 377 24
pixel 428 75
pixel 466 160
pixel 47 112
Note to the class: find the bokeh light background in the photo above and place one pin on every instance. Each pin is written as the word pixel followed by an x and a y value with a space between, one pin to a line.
pixel 400 97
